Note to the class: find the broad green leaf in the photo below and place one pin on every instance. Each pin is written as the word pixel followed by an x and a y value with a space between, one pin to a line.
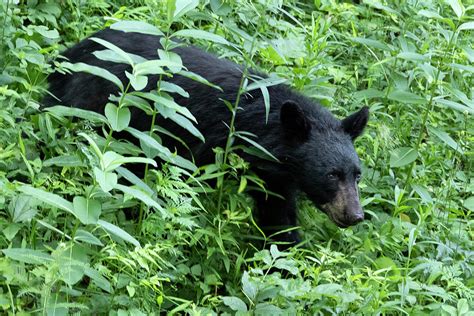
pixel 138 82
pixel 412 56
pixel 469 203
pixel 257 146
pixel 87 210
pixel 267 309
pixel 248 287
pixel 457 7
pixel 118 232
pixel 466 26
pixel 198 78
pixel 66 111
pixel 28 255
pixel 132 178
pixel 96 277
pixel 184 6
pixel 430 14
pixel 137 27
pixel 111 161
pixel 173 88
pixel 423 193
pixel 368 94
pixel 235 303
pixel 371 43
pixel 164 152
pixel 455 105
pixel 173 60
pixel 107 180
pixel 180 120
pixel 406 97
pixel 387 263
pixel 151 67
pixel 48 198
pixel 44 31
pixel 402 156
pixel 200 34
pixel 286 264
pixel 446 139
pixel 119 118
pixel 85 236
pixel 123 55
pixel 64 161
pixel 110 55
pixel 22 209
pixel 96 71
pixel 142 196
pixel 167 102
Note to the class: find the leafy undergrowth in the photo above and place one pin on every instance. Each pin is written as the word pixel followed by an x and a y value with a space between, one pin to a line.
pixel 81 234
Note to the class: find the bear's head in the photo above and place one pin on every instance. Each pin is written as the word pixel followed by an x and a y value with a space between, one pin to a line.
pixel 323 160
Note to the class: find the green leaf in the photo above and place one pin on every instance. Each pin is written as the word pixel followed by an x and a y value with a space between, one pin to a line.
pixel 173 60
pixel 119 118
pixel 469 203
pixel 198 78
pixel 97 278
pixel 235 303
pixel 202 35
pixel 28 255
pixel 85 236
pixel 180 120
pixel 167 102
pixel 107 180
pixel 173 88
pixel 406 97
pixel 48 198
pixel 368 94
pixel 257 146
pixel 22 209
pixel 183 6
pixel 152 67
pixel 443 136
pixel 457 7
pixel 402 156
pixel 120 52
pixel 64 161
pixel 138 82
pixel 66 111
pixel 423 193
pixel 44 31
pixel 371 43
pixel 87 210
pixel 248 287
pixel 142 196
pixel 137 27
pixel 118 232
pixel 96 71
pixel 164 152
pixel 466 26
pixel 455 106
pixel 412 56
pixel 110 55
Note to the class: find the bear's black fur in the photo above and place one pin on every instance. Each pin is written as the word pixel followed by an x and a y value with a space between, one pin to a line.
pixel 315 149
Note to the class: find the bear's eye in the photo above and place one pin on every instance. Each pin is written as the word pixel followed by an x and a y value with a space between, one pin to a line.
pixel 332 176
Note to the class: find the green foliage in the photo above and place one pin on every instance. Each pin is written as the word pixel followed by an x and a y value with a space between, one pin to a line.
pixel 80 233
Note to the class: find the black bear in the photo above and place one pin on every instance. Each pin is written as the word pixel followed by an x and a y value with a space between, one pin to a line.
pixel 315 150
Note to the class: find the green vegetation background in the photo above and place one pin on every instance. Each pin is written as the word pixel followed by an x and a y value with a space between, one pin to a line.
pixel 67 247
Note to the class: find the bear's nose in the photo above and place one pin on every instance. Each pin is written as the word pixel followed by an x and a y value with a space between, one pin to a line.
pixel 355 217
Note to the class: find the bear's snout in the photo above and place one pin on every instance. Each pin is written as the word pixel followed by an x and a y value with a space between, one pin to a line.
pixel 345 210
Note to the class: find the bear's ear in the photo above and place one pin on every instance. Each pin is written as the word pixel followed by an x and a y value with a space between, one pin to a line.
pixel 355 123
pixel 294 120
